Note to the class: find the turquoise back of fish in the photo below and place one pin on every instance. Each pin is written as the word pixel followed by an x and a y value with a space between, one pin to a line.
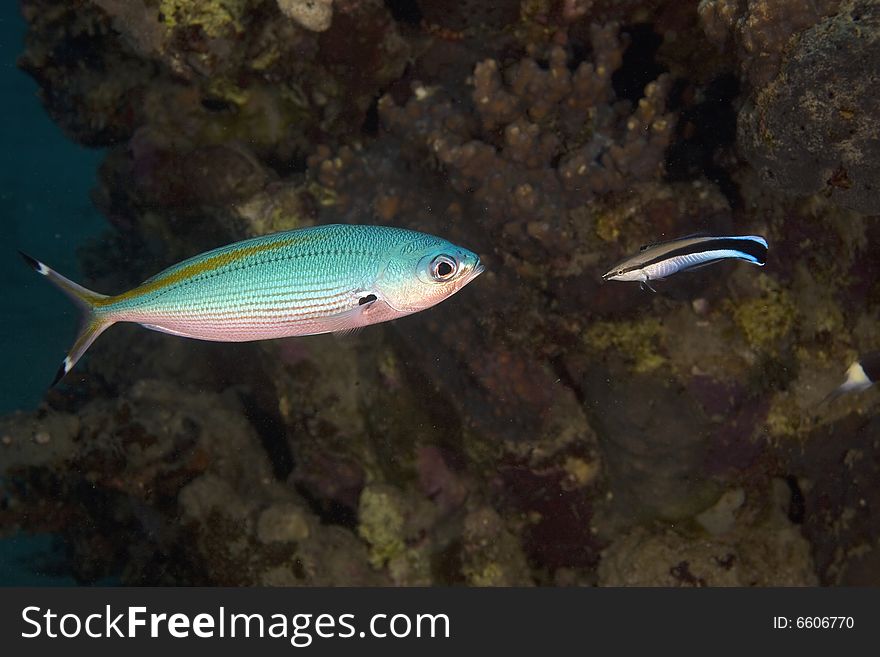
pixel 291 283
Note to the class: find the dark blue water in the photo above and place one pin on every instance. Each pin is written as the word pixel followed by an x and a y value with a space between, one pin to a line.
pixel 45 208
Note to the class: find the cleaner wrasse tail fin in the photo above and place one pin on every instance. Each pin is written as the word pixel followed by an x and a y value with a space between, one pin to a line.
pixel 94 321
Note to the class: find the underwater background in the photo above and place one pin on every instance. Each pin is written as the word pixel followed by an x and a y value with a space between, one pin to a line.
pixel 45 180
pixel 541 427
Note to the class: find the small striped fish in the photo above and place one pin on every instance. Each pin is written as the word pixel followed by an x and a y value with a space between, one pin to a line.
pixel 662 259
pixel 324 279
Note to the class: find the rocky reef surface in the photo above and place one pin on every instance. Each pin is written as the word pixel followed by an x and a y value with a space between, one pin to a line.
pixel 540 428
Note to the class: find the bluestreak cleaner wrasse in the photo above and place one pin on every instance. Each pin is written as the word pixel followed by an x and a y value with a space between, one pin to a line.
pixel 663 259
pixel 324 279
pixel 861 375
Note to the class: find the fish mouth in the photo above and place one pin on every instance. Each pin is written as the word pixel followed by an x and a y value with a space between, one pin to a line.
pixel 476 271
pixel 607 276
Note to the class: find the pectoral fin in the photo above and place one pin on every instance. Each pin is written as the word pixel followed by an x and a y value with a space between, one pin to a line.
pixel 370 310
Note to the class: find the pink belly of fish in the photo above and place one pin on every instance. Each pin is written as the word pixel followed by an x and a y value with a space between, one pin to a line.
pixel 266 324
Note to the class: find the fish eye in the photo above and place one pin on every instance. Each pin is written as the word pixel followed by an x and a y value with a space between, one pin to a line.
pixel 443 268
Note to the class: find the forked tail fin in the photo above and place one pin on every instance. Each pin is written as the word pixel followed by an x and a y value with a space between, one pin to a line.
pixel 94 322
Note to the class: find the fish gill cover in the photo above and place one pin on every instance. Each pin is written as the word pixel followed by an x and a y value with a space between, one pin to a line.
pixel 542 427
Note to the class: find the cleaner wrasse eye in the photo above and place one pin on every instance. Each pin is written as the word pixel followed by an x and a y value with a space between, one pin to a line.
pixel 324 279
pixel 663 259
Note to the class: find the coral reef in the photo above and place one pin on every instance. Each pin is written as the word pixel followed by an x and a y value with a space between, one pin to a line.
pixel 156 455
pixel 770 552
pixel 314 15
pixel 813 128
pixel 551 139
pixel 760 30
pixel 808 125
pixel 540 428
pixel 108 68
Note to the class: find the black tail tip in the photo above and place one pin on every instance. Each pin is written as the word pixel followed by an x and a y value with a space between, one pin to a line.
pixel 62 370
pixel 33 262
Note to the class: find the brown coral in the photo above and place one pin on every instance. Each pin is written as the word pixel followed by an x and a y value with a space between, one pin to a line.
pixel 547 137
pixel 761 29
pixel 814 128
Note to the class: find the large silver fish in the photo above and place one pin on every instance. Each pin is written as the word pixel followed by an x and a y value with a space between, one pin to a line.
pixel 323 279
pixel 663 259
